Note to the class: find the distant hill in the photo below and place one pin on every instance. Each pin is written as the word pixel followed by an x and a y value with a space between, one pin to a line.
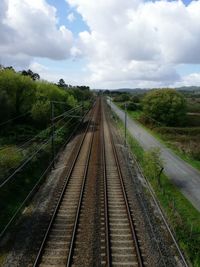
pixel 144 90
pixel 134 90
pixel 188 88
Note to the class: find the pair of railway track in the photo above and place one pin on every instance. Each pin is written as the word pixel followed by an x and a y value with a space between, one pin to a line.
pixel 119 243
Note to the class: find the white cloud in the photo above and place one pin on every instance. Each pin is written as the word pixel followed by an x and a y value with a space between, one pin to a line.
pixel 139 41
pixel 189 80
pixel 129 42
pixel 30 29
pixel 71 17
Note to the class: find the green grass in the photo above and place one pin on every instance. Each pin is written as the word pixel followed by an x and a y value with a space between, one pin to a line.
pixel 162 138
pixel 182 216
pixel 135 114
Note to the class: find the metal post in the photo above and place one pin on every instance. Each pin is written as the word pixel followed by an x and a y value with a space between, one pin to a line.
pixel 125 125
pixel 82 108
pixel 52 135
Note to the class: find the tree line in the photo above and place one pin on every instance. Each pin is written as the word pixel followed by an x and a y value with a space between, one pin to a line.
pixel 23 92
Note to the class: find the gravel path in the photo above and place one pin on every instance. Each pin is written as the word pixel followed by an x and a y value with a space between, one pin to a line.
pixel 184 176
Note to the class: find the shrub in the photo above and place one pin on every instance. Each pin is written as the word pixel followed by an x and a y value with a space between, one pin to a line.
pixel 153 164
pixel 10 158
pixel 166 106
pixel 17 92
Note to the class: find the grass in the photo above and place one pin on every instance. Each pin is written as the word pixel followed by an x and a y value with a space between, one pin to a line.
pixel 182 216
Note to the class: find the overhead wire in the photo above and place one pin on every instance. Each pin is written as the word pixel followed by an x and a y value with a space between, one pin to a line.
pixel 32 155
pixel 38 182
pixel 25 162
pixel 31 139
pixel 15 118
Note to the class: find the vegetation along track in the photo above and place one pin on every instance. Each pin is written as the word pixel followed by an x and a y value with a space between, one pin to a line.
pixel 120 245
pixel 58 243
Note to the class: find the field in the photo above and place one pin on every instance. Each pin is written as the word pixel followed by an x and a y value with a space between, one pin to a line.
pixel 183 140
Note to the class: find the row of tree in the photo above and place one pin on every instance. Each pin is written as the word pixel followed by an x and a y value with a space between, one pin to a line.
pixel 23 92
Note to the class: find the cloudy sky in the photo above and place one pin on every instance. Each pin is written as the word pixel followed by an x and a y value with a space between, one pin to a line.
pixel 104 43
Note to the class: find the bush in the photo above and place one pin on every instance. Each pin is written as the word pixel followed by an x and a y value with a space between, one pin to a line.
pixel 193 120
pixel 153 164
pixel 122 98
pixel 45 93
pixel 179 130
pixel 166 106
pixel 10 158
pixel 17 93
pixel 131 106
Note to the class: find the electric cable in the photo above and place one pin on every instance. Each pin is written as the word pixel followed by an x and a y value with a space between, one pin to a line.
pixel 20 116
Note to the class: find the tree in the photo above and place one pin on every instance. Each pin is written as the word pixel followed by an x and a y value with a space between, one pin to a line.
pixel 61 83
pixel 17 92
pixel 34 76
pixel 153 164
pixel 122 97
pixel 83 87
pixel 45 93
pixel 166 106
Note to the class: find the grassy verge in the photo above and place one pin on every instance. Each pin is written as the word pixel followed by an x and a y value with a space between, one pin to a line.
pixel 182 216
pixel 164 139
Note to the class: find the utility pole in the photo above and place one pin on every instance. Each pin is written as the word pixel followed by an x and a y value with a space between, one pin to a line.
pixel 52 134
pixel 125 125
pixel 82 103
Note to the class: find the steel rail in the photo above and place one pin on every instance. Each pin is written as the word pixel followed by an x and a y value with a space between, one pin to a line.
pixel 134 235
pixel 160 209
pixel 162 213
pixel 39 180
pixel 40 252
pixel 72 243
pixel 105 186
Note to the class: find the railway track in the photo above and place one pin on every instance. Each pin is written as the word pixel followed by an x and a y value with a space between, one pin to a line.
pixel 120 244
pixel 58 244
pixel 93 223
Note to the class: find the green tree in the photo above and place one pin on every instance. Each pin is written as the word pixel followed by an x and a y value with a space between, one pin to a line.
pixel 122 97
pixel 5 106
pixel 18 92
pixel 61 83
pixel 153 164
pixel 45 93
pixel 34 76
pixel 41 112
pixel 166 106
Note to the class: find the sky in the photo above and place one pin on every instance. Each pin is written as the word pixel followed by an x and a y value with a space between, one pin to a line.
pixel 105 43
